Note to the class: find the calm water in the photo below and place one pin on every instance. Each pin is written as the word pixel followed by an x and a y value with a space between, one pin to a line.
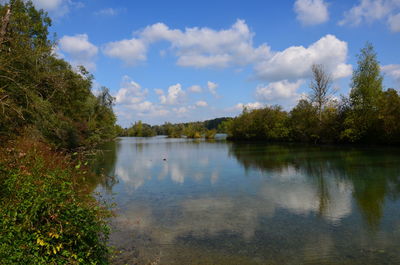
pixel 225 203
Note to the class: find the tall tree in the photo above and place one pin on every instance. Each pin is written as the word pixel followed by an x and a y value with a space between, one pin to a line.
pixel 321 89
pixel 361 122
pixel 42 92
pixel 366 85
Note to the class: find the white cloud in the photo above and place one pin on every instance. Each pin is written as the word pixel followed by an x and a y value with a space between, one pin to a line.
pixel 195 89
pixel 212 87
pixel 48 5
pixel 130 51
pixel 79 50
pixel 311 12
pixel 373 10
pixel 108 12
pixel 394 23
pixel 249 106
pixel 281 90
pixel 174 96
pixel 366 10
pixel 393 70
pixel 195 47
pixel 180 110
pixel 158 91
pixel 132 105
pixel 130 92
pixel 144 106
pixel 56 7
pixel 295 62
pixel 201 103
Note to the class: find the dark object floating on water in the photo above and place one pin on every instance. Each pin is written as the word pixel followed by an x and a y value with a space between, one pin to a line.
pixel 164 159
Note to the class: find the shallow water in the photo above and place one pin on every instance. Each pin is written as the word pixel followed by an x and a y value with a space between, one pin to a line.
pixel 182 201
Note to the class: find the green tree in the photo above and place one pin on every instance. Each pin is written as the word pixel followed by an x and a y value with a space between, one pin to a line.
pixel 42 92
pixel 389 116
pixel 366 85
pixel 366 88
pixel 304 122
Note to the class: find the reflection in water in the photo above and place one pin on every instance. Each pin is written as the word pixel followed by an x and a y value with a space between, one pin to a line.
pixel 182 201
pixel 374 173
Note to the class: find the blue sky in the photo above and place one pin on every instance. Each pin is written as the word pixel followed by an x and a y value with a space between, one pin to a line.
pixel 194 60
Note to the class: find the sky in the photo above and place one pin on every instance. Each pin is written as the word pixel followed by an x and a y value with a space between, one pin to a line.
pixel 178 61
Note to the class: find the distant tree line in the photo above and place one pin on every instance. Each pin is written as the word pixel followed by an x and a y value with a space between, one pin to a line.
pixel 369 115
pixel 42 93
pixel 206 129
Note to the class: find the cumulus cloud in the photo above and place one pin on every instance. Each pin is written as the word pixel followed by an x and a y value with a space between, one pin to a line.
pixel 174 96
pixel 79 50
pixel 249 106
pixel 366 10
pixel 393 70
pixel 201 103
pixel 130 51
pixel 311 12
pixel 372 10
pixel 212 87
pixel 130 92
pixel 56 7
pixel 295 62
pixel 394 23
pixel 132 103
pixel 195 89
pixel 195 47
pixel 281 90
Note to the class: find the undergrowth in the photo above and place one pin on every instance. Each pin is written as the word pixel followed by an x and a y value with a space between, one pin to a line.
pixel 47 215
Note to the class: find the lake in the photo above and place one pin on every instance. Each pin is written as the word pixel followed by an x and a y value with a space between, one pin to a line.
pixel 184 201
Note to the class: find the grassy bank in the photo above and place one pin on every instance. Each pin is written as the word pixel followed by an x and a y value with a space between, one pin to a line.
pixel 47 215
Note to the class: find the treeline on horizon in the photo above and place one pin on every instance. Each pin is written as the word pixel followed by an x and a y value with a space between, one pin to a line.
pixel 206 129
pixel 369 115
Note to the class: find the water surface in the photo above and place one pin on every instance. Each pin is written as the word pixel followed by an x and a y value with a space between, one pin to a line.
pixel 182 201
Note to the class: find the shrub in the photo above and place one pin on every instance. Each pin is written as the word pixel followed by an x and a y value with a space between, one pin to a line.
pixel 46 215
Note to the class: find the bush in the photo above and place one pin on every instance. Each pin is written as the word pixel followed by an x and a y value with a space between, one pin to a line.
pixel 46 216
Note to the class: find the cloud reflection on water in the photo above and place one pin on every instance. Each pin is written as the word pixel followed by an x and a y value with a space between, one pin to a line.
pixel 274 196
pixel 208 214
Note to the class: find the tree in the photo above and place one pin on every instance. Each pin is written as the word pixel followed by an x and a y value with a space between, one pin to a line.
pixel 320 87
pixel 361 122
pixel 366 85
pixel 304 122
pixel 42 92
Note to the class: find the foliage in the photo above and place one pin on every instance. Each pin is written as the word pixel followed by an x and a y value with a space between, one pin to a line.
pixel 366 89
pixel 368 115
pixel 207 128
pixel 39 90
pixel 45 218
pixel 269 123
pixel 210 134
pixel 138 129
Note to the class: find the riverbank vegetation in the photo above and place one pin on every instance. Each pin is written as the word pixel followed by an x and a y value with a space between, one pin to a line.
pixel 206 129
pixel 369 115
pixel 46 214
pixel 49 115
